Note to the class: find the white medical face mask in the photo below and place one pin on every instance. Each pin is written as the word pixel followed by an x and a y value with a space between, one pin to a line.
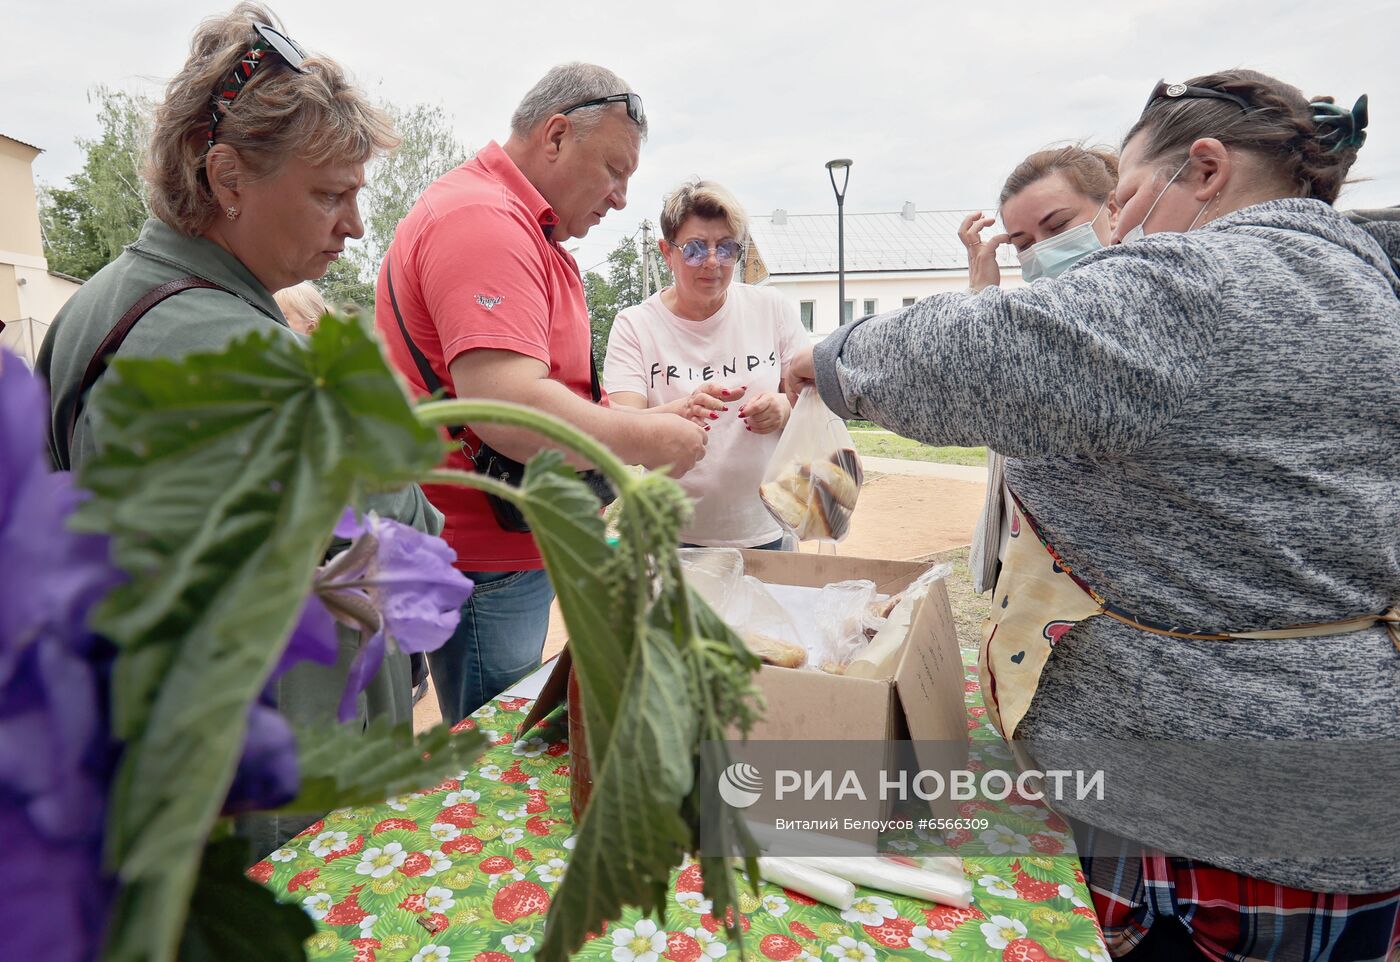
pixel 1138 233
pixel 1055 255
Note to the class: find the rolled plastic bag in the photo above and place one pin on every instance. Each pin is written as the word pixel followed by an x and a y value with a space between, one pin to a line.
pixel 808 881
pixel 887 876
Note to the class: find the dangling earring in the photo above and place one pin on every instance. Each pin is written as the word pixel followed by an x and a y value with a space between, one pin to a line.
pixel 231 213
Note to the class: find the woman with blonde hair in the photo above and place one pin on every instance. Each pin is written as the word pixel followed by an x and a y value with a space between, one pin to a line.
pixel 257 153
pixel 256 157
pixel 713 351
pixel 302 305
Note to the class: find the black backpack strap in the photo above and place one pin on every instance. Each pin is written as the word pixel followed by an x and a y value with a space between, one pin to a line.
pixel 112 343
pixel 425 369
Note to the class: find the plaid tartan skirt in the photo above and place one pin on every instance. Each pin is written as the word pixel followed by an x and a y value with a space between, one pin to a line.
pixel 1235 918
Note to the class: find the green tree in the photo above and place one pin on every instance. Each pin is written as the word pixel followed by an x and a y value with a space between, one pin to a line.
pixel 428 150
pixel 621 289
pixel 347 282
pixel 87 223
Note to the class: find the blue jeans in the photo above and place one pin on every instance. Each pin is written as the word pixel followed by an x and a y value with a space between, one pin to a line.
pixel 497 642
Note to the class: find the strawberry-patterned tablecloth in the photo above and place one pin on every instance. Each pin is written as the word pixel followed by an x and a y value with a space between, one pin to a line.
pixel 463 872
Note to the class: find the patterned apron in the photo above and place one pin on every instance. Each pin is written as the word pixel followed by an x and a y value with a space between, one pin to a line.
pixel 1038 600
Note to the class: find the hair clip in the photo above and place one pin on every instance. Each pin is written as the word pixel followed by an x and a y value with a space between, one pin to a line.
pixel 1339 128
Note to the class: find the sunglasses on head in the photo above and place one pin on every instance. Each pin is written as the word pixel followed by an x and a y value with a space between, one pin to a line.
pixel 633 102
pixel 695 252
pixel 1166 91
pixel 270 41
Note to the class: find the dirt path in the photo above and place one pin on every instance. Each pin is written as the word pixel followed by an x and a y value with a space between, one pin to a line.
pixel 904 517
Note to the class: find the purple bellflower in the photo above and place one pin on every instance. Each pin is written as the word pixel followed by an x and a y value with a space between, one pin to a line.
pixel 56 754
pixel 393 584
pixel 268 774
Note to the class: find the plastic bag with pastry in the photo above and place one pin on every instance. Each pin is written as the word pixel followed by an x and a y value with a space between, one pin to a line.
pixel 814 476
pixel 841 610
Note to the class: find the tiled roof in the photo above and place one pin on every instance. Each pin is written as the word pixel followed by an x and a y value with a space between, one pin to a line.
pixel 18 141
pixel 908 241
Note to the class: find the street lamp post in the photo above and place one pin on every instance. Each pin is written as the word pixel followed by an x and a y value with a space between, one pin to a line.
pixel 832 166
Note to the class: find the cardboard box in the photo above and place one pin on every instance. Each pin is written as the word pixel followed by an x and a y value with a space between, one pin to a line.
pixel 920 700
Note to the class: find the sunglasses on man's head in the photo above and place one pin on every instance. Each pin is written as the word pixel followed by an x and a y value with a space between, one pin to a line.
pixel 695 252
pixel 270 40
pixel 633 102
pixel 1166 91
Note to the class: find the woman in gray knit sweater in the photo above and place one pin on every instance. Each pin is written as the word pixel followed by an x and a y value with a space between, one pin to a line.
pixel 1204 447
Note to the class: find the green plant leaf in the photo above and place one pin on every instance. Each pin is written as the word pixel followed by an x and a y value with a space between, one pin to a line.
pixel 232 917
pixel 632 826
pixel 598 592
pixel 220 479
pixel 344 766
pixel 658 673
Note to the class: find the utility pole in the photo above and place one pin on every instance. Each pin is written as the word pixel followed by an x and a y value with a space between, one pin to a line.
pixel 646 259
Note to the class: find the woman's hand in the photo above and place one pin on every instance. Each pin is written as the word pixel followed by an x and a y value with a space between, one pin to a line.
pixel 766 413
pixel 982 266
pixel 706 403
pixel 801 372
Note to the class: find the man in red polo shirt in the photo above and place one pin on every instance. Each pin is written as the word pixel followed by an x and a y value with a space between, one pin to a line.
pixel 496 308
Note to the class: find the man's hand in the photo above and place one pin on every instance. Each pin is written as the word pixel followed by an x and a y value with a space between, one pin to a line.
pixel 670 439
pixel 981 255
pixel 766 413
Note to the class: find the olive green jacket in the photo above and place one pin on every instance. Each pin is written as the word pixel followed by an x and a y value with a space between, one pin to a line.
pixel 206 320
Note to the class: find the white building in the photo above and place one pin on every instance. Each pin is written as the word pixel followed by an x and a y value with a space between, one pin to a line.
pixel 892 260
pixel 30 293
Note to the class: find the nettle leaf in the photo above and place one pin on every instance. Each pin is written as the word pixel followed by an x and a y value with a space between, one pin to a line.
pixel 658 675
pixel 600 595
pixel 220 479
pixel 232 917
pixel 632 832
pixel 344 766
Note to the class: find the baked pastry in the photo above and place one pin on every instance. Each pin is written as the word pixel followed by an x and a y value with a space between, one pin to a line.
pixel 814 499
pixel 835 480
pixel 779 500
pixel 775 651
pixel 849 461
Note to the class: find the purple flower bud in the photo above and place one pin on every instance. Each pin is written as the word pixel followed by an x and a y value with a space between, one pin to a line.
pixel 393 580
pixel 56 756
pixel 267 775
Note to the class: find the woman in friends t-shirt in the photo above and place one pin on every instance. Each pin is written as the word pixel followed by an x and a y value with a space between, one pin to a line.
pixel 713 351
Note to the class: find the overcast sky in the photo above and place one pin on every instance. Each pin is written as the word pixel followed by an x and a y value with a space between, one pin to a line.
pixel 934 101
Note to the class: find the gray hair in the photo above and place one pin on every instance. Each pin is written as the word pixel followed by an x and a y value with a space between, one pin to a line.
pixel 563 87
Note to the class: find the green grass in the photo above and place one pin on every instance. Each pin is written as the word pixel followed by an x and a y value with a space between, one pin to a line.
pixel 882 444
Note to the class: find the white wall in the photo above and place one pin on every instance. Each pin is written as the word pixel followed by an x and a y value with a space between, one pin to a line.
pixel 888 289
pixel 39 295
